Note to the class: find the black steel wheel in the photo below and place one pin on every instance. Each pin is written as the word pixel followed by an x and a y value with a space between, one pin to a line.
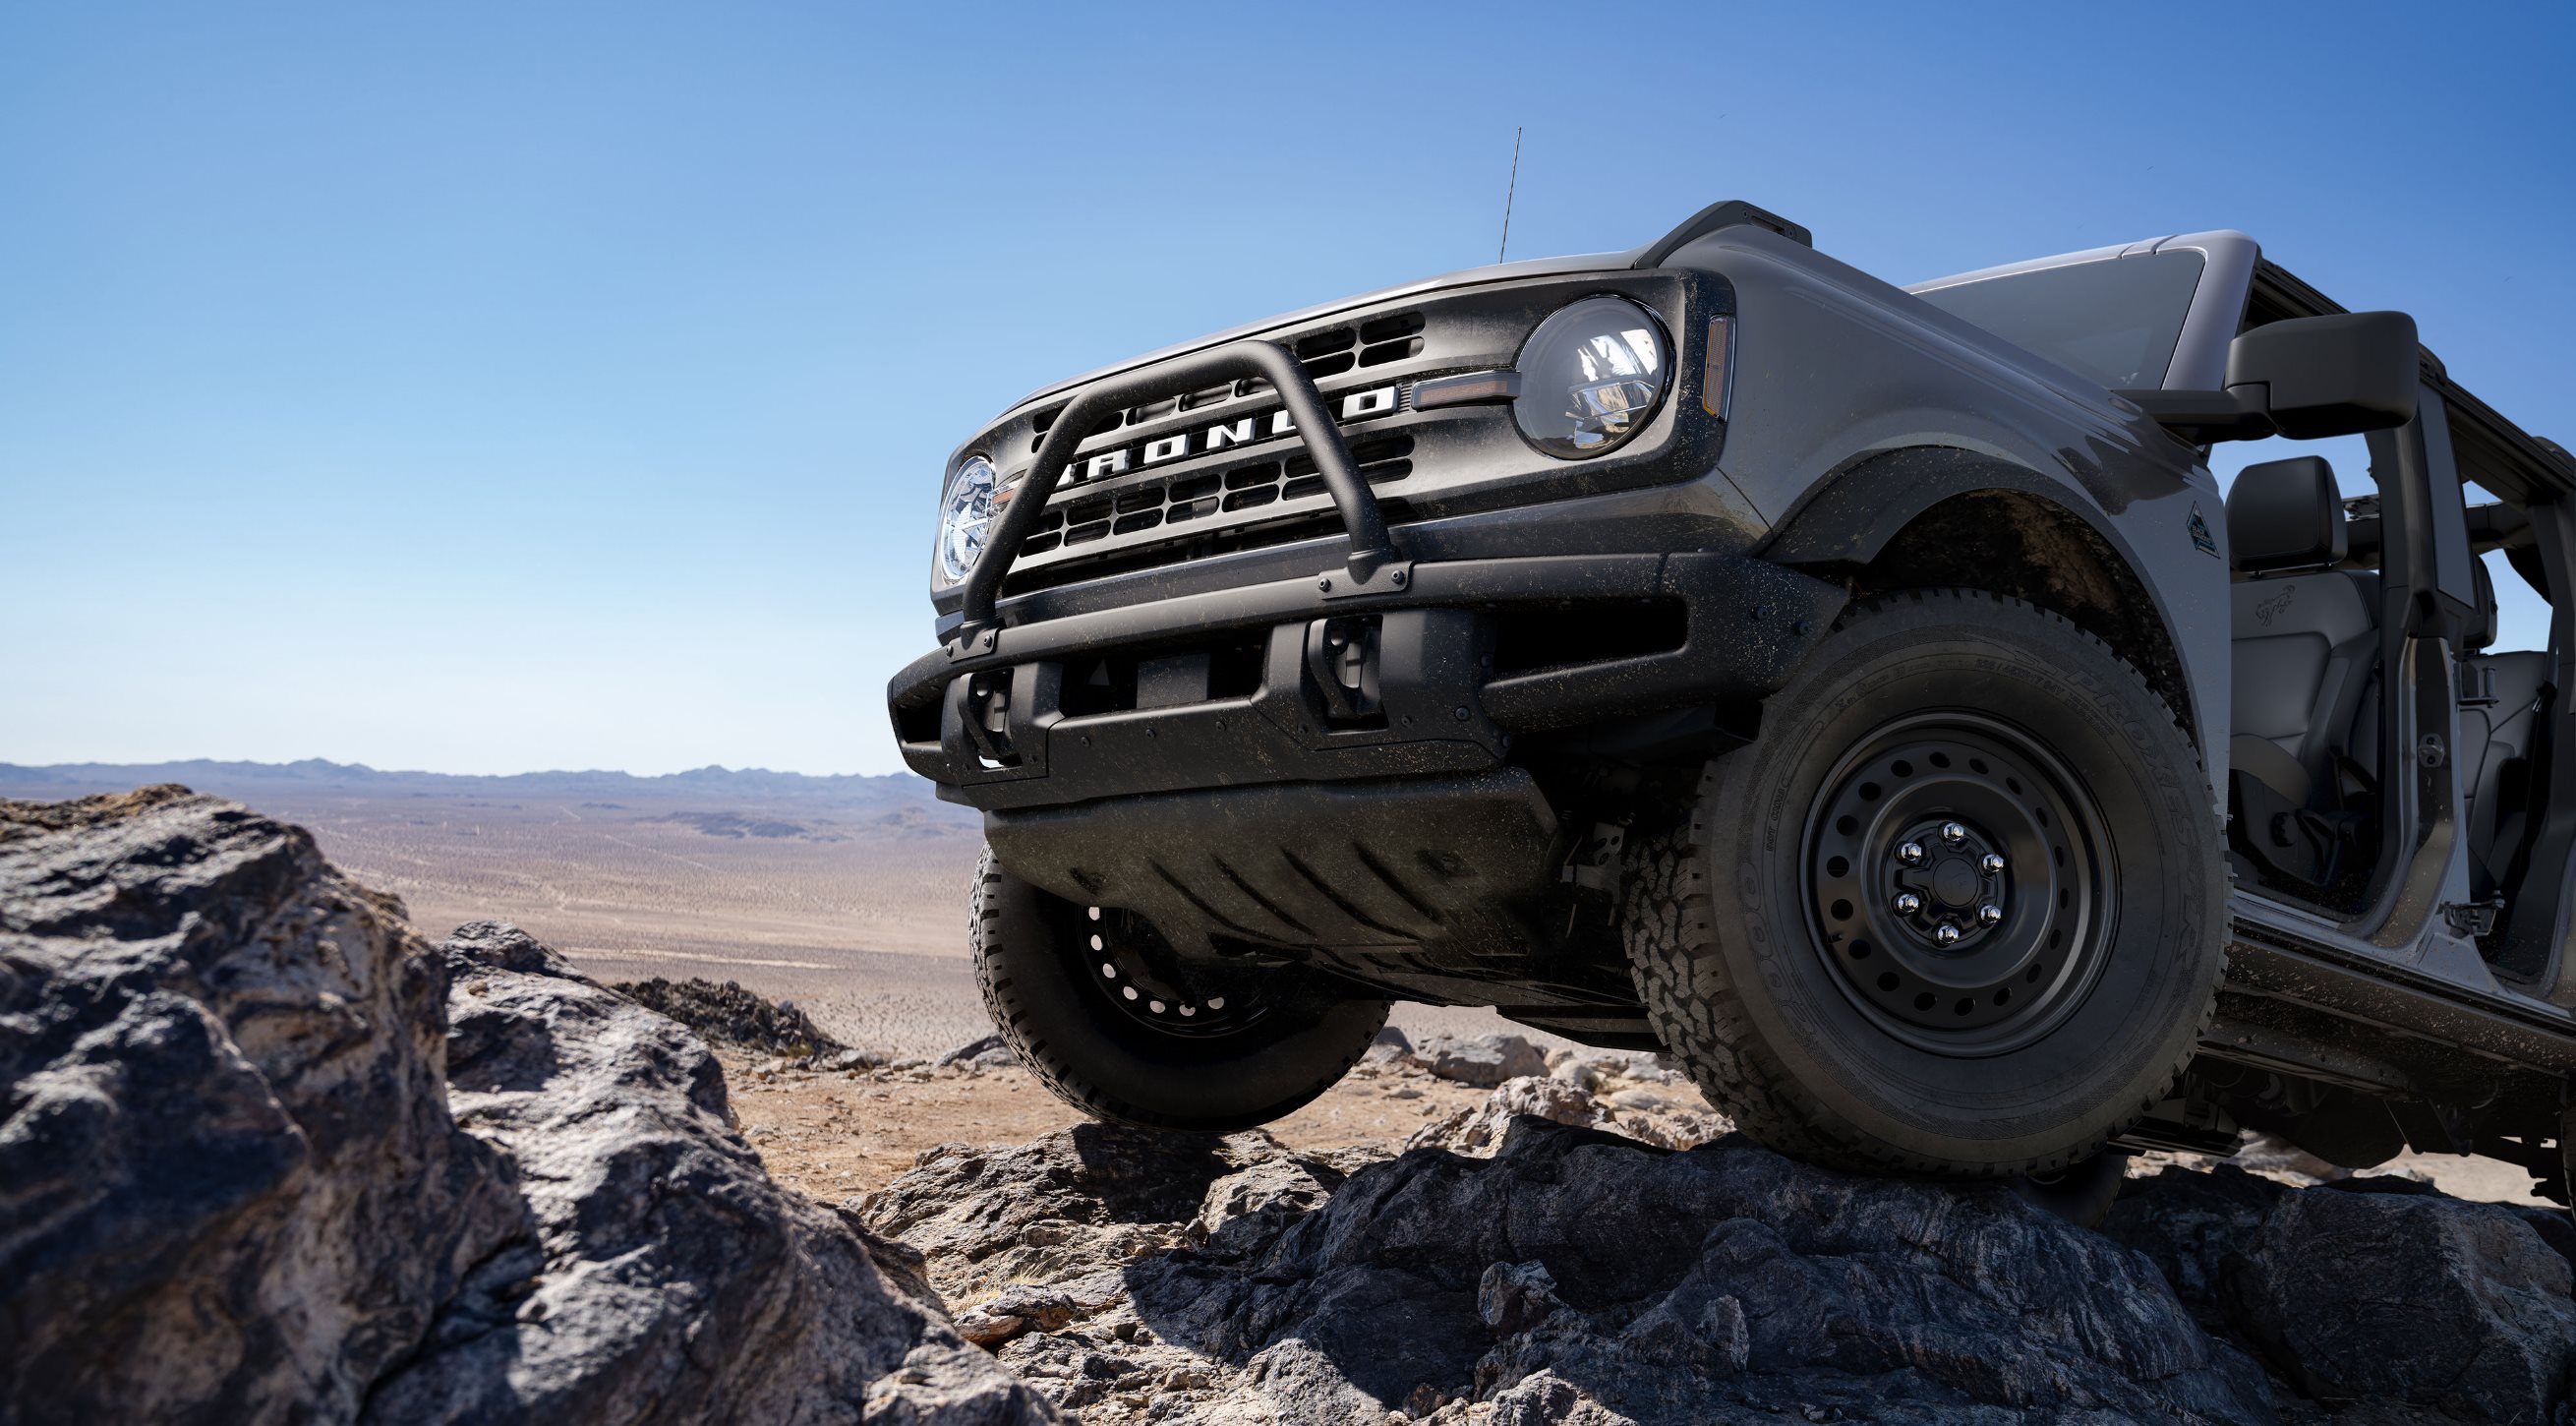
pixel 1958 910
pixel 1959 882
pixel 1096 1003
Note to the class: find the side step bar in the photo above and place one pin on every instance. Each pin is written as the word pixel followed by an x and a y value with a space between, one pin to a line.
pixel 2396 1004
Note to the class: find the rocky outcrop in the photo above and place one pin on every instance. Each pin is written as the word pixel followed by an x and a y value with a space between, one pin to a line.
pixel 2371 1289
pixel 267 1156
pixel 728 1014
pixel 667 1279
pixel 229 1186
pixel 232 1188
pixel 1572 1272
pixel 1549 1271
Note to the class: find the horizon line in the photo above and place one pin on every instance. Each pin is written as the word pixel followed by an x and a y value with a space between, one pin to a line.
pixel 373 771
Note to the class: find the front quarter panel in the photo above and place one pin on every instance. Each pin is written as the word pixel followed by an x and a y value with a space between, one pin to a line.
pixel 1836 370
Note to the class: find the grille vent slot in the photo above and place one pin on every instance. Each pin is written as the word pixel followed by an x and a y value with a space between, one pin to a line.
pixel 1390 338
pixel 1327 353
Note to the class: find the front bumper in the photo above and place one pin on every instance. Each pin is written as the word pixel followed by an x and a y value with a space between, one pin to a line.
pixel 1238 687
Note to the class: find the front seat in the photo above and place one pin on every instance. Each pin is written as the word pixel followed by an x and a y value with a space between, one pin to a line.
pixel 2501 706
pixel 2306 638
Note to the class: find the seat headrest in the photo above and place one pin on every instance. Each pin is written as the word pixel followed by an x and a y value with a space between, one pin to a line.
pixel 2482 623
pixel 2286 514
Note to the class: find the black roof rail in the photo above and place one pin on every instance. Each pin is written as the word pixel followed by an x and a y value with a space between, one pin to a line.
pixel 1732 213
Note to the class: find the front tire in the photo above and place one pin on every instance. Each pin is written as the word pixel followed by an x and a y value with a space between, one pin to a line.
pixel 1096 1005
pixel 1958 911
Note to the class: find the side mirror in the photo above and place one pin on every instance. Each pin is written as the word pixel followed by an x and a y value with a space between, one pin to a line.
pixel 2305 378
pixel 2329 376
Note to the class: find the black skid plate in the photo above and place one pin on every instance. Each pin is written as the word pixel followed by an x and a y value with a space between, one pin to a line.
pixel 1393 862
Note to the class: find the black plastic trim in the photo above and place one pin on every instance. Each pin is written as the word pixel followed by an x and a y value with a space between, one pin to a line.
pixel 1733 213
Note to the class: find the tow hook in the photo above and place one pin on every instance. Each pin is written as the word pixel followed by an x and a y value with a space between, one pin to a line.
pixel 1342 659
pixel 988 717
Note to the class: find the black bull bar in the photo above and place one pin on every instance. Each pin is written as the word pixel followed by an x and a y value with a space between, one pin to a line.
pixel 1372 565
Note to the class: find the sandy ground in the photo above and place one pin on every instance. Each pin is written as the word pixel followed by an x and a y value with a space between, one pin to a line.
pixel 837 1134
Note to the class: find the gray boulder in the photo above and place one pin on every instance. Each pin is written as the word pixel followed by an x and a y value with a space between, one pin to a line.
pixel 1483 1061
pixel 229 1186
pixel 232 1189
pixel 990 1052
pixel 1391 1047
pixel 668 1278
pixel 2434 1303
pixel 1479 1129
pixel 2372 1289
pixel 2196 1226
pixel 729 1014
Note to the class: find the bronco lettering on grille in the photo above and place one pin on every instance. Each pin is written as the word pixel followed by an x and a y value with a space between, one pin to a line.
pixel 1219 435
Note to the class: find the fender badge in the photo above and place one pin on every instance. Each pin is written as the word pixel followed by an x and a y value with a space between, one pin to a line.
pixel 2200 534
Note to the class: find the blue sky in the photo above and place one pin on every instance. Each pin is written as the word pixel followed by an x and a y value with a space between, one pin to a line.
pixel 494 387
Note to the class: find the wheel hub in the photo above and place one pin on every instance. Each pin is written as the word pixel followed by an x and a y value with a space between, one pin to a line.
pixel 1945 884
pixel 1958 880
pixel 1135 969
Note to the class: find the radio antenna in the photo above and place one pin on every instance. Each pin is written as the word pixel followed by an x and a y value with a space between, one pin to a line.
pixel 1508 191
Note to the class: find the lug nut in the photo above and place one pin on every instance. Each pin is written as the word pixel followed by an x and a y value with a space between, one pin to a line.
pixel 1948 935
pixel 1907 903
pixel 1991 863
pixel 1953 833
pixel 1990 914
pixel 1910 853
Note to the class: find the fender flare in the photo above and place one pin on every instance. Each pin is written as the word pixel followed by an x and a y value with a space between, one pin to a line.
pixel 1853 513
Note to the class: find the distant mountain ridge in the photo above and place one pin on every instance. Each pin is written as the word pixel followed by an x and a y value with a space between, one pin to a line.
pixel 247 781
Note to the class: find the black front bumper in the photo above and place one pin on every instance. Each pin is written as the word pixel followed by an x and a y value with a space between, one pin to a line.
pixel 1235 687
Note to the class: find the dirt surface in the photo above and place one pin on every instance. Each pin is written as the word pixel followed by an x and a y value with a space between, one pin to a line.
pixel 837 1133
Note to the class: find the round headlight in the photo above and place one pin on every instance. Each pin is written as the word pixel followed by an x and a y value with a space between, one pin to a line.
pixel 1591 376
pixel 966 515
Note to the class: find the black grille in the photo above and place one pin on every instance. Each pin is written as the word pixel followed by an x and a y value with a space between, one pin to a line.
pixel 1383 460
pixel 1200 543
pixel 1327 353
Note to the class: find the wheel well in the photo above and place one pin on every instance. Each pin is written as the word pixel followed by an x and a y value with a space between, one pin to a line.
pixel 2006 542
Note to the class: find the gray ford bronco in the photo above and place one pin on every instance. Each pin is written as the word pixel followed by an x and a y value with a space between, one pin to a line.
pixel 1862 694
